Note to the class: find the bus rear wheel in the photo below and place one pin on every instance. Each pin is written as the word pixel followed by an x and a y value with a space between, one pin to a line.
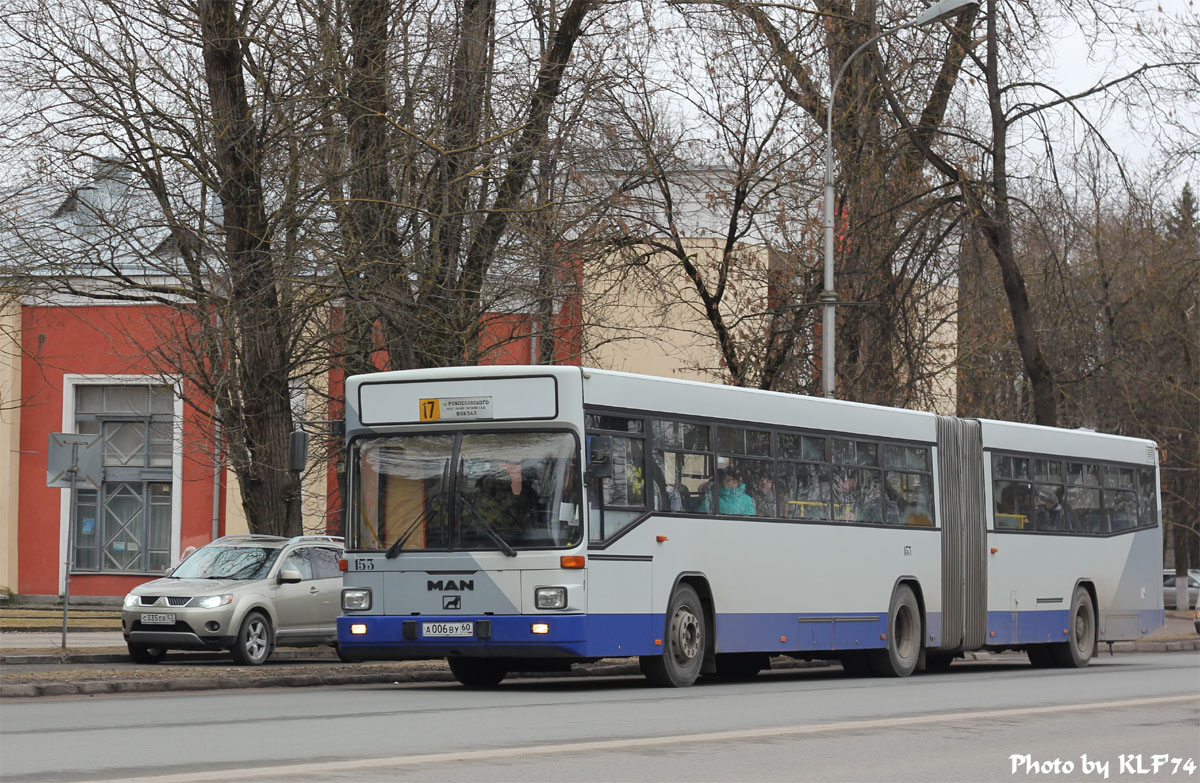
pixel 684 645
pixel 903 651
pixel 1076 652
pixel 477 672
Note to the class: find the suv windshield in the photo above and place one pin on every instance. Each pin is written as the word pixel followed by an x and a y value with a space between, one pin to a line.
pixel 228 562
pixel 454 491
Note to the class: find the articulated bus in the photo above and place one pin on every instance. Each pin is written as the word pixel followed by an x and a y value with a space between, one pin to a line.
pixel 518 519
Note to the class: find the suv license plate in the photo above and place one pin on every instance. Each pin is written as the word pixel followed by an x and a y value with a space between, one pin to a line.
pixel 448 629
pixel 158 619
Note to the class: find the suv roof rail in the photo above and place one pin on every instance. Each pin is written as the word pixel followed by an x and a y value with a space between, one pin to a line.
pixel 250 537
pixel 330 539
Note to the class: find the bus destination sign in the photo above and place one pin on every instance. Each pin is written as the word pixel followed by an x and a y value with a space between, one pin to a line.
pixel 451 408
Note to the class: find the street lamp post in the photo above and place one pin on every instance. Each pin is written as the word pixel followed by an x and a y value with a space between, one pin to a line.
pixel 934 13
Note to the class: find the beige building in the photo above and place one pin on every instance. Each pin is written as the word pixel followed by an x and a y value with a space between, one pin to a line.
pixel 646 317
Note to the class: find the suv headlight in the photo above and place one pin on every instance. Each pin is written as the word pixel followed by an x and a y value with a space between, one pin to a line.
pixel 550 597
pixel 356 600
pixel 212 601
pixel 132 600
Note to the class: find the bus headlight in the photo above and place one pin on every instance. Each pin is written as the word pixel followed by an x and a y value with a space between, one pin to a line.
pixel 355 600
pixel 550 597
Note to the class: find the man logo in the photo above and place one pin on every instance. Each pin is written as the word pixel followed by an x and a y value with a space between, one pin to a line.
pixel 439 585
pixel 452 602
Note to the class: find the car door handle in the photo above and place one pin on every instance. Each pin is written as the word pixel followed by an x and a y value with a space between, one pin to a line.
pixel 313 590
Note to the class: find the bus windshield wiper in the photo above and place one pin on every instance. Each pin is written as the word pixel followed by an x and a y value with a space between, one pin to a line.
pixel 505 547
pixel 396 548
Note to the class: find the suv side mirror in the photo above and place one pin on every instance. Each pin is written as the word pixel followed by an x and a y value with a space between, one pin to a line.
pixel 288 576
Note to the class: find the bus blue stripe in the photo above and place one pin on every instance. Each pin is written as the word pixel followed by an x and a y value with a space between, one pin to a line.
pixel 618 635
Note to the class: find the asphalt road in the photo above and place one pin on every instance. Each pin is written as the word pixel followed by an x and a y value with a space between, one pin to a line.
pixel 971 723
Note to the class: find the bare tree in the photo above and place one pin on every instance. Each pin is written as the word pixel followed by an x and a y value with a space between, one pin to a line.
pixel 894 222
pixel 440 165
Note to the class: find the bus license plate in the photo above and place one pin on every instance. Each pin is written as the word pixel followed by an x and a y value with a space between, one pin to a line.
pixel 448 629
pixel 158 619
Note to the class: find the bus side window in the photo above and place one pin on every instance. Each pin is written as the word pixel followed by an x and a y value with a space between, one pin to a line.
pixel 1012 492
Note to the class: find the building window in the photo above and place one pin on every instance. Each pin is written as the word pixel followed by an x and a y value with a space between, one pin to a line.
pixel 125 525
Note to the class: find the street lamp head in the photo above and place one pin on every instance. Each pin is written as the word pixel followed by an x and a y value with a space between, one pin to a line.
pixel 943 9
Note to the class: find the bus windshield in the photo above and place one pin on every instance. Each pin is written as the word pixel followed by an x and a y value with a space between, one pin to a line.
pixel 466 491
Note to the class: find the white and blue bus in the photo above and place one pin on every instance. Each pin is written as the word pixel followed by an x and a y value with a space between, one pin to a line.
pixel 515 519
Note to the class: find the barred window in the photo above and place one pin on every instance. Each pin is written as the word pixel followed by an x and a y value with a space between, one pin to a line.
pixel 125 525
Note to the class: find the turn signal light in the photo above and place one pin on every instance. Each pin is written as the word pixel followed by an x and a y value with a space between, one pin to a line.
pixel 343 565
pixel 358 629
pixel 572 561
pixel 540 628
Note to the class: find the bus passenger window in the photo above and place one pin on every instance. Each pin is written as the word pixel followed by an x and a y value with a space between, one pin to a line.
pixel 1013 504
pixel 1147 499
pixel 1085 513
pixel 857 495
pixel 804 488
pixel 1012 493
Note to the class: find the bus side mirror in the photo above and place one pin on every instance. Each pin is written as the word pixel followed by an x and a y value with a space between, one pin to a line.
pixel 600 457
pixel 298 451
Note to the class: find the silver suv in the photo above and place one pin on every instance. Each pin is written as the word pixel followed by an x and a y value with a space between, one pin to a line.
pixel 241 593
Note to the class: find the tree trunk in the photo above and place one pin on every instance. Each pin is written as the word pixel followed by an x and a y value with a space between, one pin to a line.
pixel 260 407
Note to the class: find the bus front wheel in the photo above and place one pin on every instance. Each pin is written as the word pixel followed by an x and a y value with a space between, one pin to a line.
pixel 903 651
pixel 684 644
pixel 1076 652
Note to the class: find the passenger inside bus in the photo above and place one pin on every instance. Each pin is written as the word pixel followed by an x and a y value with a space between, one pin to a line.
pixel 1051 514
pixel 503 507
pixel 731 495
pixel 854 501
pixel 765 503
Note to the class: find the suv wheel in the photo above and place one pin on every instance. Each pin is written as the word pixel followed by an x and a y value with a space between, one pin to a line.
pixel 253 644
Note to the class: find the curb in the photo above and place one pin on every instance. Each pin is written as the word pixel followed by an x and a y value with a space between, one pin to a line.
pixel 394 676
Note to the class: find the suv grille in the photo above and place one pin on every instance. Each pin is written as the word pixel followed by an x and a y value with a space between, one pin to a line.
pixel 170 600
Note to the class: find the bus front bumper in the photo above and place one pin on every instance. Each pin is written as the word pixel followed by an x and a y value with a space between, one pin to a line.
pixel 413 637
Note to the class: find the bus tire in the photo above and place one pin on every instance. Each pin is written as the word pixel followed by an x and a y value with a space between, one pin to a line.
pixel 477 672
pixel 684 643
pixel 741 666
pixel 1076 652
pixel 903 651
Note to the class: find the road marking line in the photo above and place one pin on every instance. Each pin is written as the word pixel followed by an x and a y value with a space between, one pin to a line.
pixel 349 765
